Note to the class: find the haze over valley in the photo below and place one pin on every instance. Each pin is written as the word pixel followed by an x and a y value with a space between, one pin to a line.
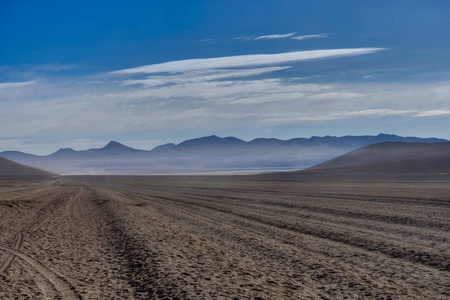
pixel 206 154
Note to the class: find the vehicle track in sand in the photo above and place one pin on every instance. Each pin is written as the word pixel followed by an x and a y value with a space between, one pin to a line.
pixel 61 250
pixel 160 238
pixel 285 240
pixel 20 236
pixel 65 289
pixel 57 281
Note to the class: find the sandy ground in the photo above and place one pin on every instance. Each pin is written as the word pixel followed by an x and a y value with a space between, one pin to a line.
pixel 214 238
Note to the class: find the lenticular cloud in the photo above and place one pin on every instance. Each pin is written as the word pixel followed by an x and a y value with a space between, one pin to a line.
pixel 245 60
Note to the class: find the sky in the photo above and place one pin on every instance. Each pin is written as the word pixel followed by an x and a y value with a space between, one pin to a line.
pixel 81 73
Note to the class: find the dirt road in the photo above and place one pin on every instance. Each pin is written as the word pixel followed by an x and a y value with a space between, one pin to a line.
pixel 213 238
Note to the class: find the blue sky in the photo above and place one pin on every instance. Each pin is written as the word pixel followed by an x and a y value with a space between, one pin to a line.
pixel 80 73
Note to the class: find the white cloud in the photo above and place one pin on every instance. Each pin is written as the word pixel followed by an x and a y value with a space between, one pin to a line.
pixel 209 97
pixel 433 113
pixel 283 36
pixel 217 104
pixel 337 95
pixel 201 75
pixel 4 85
pixel 338 115
pixel 309 36
pixel 275 36
pixel 241 61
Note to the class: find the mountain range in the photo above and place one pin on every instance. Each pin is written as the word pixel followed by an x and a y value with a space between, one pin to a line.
pixel 205 153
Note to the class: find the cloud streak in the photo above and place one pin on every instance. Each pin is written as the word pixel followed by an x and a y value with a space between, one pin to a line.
pixel 5 85
pixel 433 113
pixel 309 36
pixel 201 76
pixel 283 36
pixel 340 115
pixel 274 36
pixel 241 61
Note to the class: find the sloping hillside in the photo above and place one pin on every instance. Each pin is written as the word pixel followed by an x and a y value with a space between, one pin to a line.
pixel 10 168
pixel 396 157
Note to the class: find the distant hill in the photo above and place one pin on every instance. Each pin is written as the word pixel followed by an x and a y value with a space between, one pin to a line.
pixel 205 153
pixel 10 168
pixel 163 147
pixel 392 157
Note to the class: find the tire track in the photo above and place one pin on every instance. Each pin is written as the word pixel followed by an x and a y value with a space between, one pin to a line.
pixel 364 240
pixel 291 201
pixel 20 236
pixel 58 282
pixel 241 228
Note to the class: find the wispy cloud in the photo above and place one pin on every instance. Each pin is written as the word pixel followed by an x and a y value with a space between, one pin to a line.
pixel 282 36
pixel 338 115
pixel 216 103
pixel 337 95
pixel 309 36
pixel 202 75
pixel 433 113
pixel 241 61
pixel 274 36
pixel 218 94
pixel 4 85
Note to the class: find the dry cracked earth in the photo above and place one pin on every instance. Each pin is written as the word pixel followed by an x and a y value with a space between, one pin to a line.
pixel 223 238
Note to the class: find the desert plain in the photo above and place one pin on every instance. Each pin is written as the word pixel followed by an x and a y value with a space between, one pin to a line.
pixel 224 237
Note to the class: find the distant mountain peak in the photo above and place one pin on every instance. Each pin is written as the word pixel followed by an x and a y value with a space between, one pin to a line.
pixel 211 141
pixel 65 150
pixel 113 145
pixel 205 138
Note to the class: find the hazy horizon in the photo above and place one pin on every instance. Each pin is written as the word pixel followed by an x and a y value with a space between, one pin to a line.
pixel 79 75
pixel 106 143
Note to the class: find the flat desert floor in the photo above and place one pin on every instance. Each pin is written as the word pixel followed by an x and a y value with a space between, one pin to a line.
pixel 218 237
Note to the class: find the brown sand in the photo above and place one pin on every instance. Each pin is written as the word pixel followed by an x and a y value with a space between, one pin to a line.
pixel 214 238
